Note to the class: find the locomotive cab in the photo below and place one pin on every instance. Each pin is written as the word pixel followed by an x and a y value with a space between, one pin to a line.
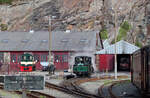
pixel 82 66
pixel 27 63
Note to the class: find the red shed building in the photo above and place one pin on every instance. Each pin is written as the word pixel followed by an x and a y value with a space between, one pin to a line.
pixel 123 51
pixel 64 46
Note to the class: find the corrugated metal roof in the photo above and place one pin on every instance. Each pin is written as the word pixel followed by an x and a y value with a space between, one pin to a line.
pixel 106 43
pixel 122 47
pixel 39 41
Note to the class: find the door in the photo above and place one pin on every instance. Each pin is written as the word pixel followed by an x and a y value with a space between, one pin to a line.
pixel 15 59
pixel 38 58
pixel 61 60
pixel 1 59
pixel 137 69
pixel 149 71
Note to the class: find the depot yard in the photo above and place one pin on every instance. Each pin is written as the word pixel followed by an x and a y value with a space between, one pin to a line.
pixel 98 85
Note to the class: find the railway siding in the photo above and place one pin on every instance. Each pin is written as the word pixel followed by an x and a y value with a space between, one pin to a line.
pixel 125 89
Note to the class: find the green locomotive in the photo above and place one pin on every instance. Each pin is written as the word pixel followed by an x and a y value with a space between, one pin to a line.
pixel 83 66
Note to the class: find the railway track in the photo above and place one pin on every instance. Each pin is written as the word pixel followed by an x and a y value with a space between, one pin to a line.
pixel 32 94
pixel 105 90
pixel 71 88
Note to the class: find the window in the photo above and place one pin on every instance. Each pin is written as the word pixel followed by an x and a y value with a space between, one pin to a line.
pixel 13 58
pixel 44 57
pixel 44 41
pixel 83 41
pixel 25 41
pixel 36 57
pixel 23 57
pixel 64 58
pixel 65 40
pixel 1 57
pixel 31 58
pixel 19 58
pixel 4 41
pixel 57 58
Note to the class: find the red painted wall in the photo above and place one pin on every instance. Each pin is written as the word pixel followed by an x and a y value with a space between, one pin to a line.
pixel 61 63
pixel 106 62
pixel 15 64
pixel 61 60
pixel 39 59
pixel 15 58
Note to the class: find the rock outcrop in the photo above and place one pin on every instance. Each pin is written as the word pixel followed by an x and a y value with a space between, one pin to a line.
pixel 78 15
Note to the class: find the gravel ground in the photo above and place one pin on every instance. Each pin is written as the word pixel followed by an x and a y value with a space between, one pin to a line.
pixel 105 91
pixel 56 93
pixel 6 94
pixel 92 86
pixel 126 90
pixel 56 79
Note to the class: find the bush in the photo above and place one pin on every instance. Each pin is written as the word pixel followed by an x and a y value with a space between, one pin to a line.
pixel 125 25
pixel 113 41
pixel 138 43
pixel 122 34
pixel 104 34
pixel 6 1
pixel 4 27
pixel 124 28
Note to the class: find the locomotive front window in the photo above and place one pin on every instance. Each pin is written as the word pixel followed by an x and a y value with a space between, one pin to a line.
pixel 79 60
pixel 23 57
pixel 30 58
pixel 88 60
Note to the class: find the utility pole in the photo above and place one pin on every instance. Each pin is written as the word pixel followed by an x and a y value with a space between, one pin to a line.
pixel 50 38
pixel 115 45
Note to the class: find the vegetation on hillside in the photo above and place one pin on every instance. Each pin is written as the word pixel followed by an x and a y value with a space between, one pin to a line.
pixel 124 28
pixel 6 1
pixel 138 43
pixel 104 34
pixel 3 27
pixel 9 1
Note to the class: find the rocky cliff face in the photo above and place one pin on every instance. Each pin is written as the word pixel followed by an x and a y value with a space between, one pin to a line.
pixel 78 15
